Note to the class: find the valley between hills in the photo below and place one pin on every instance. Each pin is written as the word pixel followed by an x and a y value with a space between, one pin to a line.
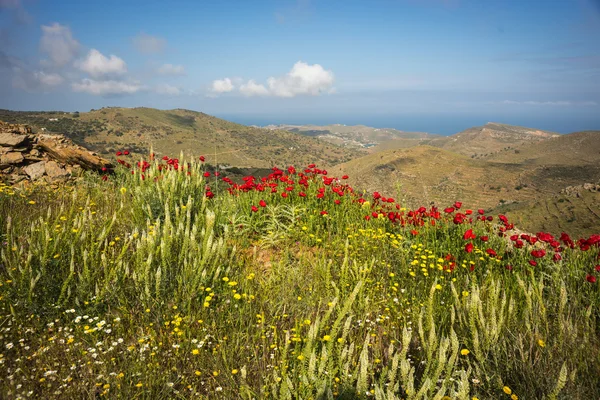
pixel 542 180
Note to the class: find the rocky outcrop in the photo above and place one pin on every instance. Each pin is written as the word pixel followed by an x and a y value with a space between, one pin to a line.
pixel 575 191
pixel 25 155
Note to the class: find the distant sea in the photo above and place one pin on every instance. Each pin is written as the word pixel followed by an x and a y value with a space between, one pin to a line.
pixel 438 124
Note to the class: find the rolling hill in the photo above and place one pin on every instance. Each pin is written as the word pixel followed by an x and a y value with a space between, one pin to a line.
pixel 502 168
pixel 173 131
pixel 482 141
pixel 578 148
pixel 426 174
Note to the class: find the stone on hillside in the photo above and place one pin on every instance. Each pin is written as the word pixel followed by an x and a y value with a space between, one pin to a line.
pixel 55 171
pixel 11 158
pixel 9 139
pixel 35 171
pixel 59 149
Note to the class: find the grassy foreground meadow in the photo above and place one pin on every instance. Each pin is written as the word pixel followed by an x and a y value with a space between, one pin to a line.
pixel 162 280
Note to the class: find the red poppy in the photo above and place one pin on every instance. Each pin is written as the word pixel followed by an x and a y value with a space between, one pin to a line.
pixel 104 169
pixel 469 247
pixel 556 257
pixel 323 212
pixel 337 202
pixel 591 278
pixel 491 252
pixel 538 253
pixel 345 177
pixel 311 165
pixel 119 153
pixel 484 238
pixel 210 194
pixel 254 209
pixel 457 205
pixel 165 158
pixel 533 263
pixel 126 152
pixel 597 268
pixel 414 232
pixel 302 194
pixel 449 210
pixel 509 267
pixel 202 158
pixel 469 235
pixel 105 177
pixel 481 211
pixel 206 174
pixel 284 194
pixel 375 215
pixel 262 203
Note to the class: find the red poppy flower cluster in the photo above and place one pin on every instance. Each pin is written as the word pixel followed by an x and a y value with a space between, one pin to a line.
pixel 313 182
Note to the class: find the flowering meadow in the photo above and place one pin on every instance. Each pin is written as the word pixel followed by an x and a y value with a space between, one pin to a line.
pixel 164 279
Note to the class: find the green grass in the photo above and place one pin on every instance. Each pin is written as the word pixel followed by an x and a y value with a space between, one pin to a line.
pixel 146 288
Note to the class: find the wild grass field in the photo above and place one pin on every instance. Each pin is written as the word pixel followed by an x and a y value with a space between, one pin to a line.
pixel 162 280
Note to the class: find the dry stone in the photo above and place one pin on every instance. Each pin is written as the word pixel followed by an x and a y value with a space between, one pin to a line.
pixel 35 171
pixel 10 139
pixel 11 158
pixel 25 155
pixel 55 171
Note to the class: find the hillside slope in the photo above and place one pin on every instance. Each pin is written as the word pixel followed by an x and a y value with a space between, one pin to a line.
pixel 173 131
pixel 490 138
pixel 578 148
pixel 427 174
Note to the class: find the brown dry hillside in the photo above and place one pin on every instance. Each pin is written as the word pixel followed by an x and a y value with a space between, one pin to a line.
pixel 578 214
pixel 193 133
pixel 579 148
pixel 491 138
pixel 424 174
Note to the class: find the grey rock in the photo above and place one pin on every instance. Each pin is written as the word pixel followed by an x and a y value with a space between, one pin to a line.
pixel 55 171
pixel 35 171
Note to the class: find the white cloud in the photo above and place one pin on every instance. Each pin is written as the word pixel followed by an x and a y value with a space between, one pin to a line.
pixel 222 86
pixel 58 42
pixel 168 90
pixel 109 87
pixel 149 44
pixel 48 79
pixel 170 69
pixel 303 79
pixel 97 64
pixel 253 89
pixel 36 81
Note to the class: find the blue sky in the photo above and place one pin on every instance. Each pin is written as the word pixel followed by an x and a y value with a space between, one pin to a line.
pixel 429 65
